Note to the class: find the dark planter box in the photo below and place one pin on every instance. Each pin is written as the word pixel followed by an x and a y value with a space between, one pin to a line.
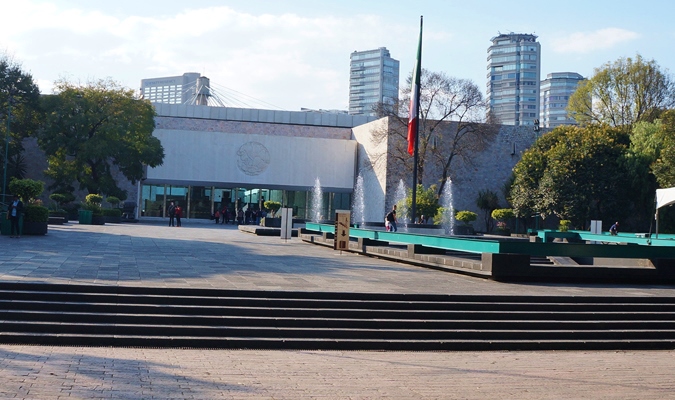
pixel 34 228
pixel 56 220
pixel 113 219
pixel 464 230
pixel 271 222
pixel 98 220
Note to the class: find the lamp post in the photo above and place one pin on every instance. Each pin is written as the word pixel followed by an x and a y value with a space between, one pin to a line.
pixel 4 170
pixel 536 136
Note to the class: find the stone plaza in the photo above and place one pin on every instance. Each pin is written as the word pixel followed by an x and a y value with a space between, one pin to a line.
pixel 205 255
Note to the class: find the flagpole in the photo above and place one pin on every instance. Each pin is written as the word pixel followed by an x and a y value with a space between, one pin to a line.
pixel 413 211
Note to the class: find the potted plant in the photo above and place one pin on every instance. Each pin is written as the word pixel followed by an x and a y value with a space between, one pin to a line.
pixel 36 216
pixel 114 214
pixel 466 218
pixel 270 220
pixel 92 203
pixel 502 215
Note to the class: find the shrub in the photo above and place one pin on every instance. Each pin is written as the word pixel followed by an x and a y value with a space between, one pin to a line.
pixel 112 212
pixel 26 189
pixel 58 198
pixel 35 213
pixel 114 201
pixel 273 206
pixel 93 198
pixel 502 214
pixel 565 225
pixel 93 203
pixel 466 217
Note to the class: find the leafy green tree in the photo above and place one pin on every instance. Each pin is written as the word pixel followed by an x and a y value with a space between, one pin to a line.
pixel 663 165
pixel 27 189
pixel 20 106
pixel 622 93
pixel 426 199
pixel 92 129
pixel 487 201
pixel 577 174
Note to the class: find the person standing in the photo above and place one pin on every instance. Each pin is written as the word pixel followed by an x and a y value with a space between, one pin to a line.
pixel 178 212
pixel 172 213
pixel 391 218
pixel 14 215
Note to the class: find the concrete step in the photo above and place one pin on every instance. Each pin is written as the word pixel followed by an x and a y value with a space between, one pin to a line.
pixel 160 317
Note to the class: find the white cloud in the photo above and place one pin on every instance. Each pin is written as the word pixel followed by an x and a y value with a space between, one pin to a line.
pixel 587 42
pixel 284 59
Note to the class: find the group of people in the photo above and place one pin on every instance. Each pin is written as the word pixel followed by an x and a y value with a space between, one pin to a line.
pixel 242 217
pixel 175 213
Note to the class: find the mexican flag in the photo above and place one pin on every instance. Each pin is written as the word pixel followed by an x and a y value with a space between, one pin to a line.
pixel 413 121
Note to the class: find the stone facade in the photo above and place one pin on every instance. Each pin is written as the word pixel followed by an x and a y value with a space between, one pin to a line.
pixel 487 169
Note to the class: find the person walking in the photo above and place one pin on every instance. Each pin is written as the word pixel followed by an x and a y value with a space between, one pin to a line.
pixel 14 215
pixel 178 212
pixel 172 213
pixel 391 218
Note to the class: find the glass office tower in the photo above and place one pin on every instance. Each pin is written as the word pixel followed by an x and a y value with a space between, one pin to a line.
pixel 513 75
pixel 556 90
pixel 373 79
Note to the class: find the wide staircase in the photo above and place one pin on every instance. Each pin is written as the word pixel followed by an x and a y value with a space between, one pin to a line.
pixel 84 315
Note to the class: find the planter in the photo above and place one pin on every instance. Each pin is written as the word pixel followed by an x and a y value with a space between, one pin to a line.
pixel 464 230
pixel 503 232
pixel 271 222
pixel 34 228
pixel 56 220
pixel 98 220
pixel 63 216
pixel 112 219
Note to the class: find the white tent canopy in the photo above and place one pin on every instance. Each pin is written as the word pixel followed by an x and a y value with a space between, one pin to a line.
pixel 664 197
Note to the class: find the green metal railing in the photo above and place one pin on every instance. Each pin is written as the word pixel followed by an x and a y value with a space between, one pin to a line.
pixel 661 248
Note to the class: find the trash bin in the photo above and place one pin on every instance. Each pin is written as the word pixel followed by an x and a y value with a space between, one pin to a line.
pixel 85 217
pixel 6 225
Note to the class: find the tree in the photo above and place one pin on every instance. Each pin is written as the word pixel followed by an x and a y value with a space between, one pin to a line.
pixel 27 189
pixel 19 112
pixel 426 202
pixel 452 112
pixel 623 93
pixel 93 129
pixel 663 140
pixel 487 201
pixel 577 174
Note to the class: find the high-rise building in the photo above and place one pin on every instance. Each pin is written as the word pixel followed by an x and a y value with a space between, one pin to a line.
pixel 171 89
pixel 514 64
pixel 373 79
pixel 555 91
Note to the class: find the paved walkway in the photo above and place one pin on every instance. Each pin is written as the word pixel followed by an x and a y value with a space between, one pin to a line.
pixel 202 254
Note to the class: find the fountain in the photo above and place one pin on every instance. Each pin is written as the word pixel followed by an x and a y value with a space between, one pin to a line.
pixel 317 202
pixel 399 196
pixel 359 203
pixel 448 220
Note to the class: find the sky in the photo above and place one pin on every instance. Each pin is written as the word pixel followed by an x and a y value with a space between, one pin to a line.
pixel 292 54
